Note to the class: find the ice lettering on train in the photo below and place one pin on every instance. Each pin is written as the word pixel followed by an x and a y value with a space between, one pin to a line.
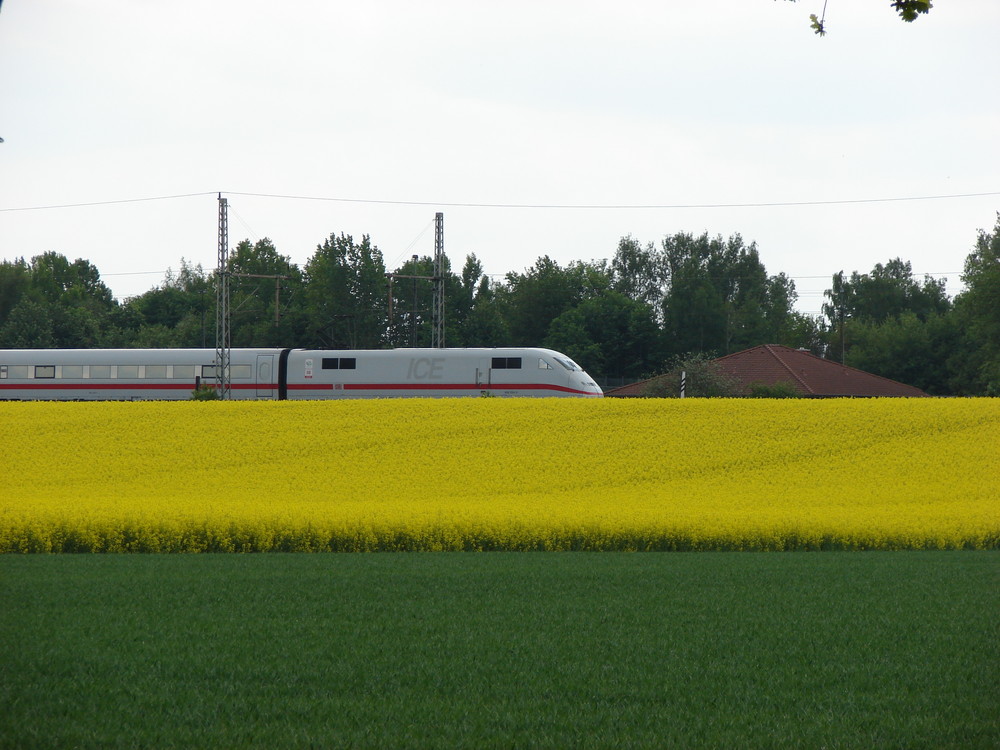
pixel 426 368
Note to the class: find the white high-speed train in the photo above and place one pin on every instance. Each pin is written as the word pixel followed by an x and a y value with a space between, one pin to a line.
pixel 161 374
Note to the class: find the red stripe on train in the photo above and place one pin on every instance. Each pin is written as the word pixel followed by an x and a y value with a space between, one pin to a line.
pixel 120 386
pixel 462 387
pixel 295 387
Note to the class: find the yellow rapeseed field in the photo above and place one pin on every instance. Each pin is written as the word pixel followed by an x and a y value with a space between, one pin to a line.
pixel 482 474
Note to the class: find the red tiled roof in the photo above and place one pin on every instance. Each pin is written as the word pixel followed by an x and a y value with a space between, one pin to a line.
pixel 809 375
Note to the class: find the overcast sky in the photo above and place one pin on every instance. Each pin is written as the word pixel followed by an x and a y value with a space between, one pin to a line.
pixel 538 128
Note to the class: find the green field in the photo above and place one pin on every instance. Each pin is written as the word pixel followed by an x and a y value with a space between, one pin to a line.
pixel 834 650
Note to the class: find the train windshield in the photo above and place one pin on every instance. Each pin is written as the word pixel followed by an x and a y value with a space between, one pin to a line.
pixel 567 363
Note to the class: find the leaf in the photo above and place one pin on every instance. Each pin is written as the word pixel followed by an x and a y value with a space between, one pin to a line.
pixel 909 9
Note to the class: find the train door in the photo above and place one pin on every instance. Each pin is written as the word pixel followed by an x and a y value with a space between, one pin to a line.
pixel 484 375
pixel 265 376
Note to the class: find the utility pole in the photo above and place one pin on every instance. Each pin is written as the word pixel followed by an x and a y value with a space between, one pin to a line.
pixel 392 325
pixel 437 333
pixel 843 313
pixel 437 312
pixel 223 340
pixel 413 310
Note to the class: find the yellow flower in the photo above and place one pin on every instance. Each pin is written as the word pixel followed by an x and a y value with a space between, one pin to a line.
pixel 444 474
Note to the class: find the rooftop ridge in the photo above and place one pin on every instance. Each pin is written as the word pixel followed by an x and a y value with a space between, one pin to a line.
pixel 843 366
pixel 811 375
pixel 770 348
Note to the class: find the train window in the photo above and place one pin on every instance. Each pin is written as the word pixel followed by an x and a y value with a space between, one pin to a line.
pixel 543 365
pixel 340 363
pixel 3 372
pixel 45 371
pixel 100 371
pixel 128 371
pixel 567 363
pixel 72 371
pixel 17 371
pixel 506 363
pixel 156 371
pixel 184 372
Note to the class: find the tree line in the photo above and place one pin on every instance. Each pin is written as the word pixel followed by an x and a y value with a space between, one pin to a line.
pixel 623 319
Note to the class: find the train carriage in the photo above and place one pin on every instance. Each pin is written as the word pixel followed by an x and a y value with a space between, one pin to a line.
pixel 164 374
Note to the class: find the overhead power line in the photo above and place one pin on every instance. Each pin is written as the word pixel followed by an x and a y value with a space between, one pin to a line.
pixel 133 273
pixel 622 206
pixel 552 206
pixel 108 203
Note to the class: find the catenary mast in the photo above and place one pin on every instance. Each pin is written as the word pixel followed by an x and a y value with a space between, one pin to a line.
pixel 223 339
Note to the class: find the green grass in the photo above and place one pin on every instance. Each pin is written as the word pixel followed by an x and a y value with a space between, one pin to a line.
pixel 502 650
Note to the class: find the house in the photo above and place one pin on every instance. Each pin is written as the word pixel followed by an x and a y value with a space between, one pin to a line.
pixel 810 376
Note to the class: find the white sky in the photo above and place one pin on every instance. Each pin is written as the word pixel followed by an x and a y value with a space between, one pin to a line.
pixel 667 103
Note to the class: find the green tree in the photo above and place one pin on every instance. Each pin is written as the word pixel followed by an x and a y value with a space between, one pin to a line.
pixel 77 326
pixel 266 296
pixel 460 299
pixel 702 375
pixel 781 389
pixel 535 298
pixel 609 335
pixel 474 315
pixel 571 334
pixel 122 326
pixel 638 272
pixel 719 297
pixel 908 349
pixel 179 312
pixel 485 324
pixel 976 366
pixel 413 303
pixel 787 326
pixel 56 280
pixel 889 291
pixel 346 298
pixel 77 305
pixel 857 305
pixel 15 278
pixel 159 336
pixel 28 326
